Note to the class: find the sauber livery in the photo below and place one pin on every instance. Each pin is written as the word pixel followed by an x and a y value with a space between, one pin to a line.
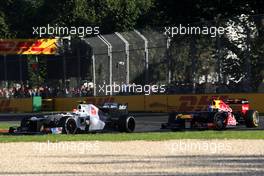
pixel 85 118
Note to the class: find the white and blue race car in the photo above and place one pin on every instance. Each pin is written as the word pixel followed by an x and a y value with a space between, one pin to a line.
pixel 86 118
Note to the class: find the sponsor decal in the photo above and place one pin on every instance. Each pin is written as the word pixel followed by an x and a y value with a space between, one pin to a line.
pixel 122 107
pixel 28 46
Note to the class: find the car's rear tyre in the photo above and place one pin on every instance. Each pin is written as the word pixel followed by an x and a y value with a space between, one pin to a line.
pixel 127 124
pixel 220 121
pixel 70 126
pixel 252 119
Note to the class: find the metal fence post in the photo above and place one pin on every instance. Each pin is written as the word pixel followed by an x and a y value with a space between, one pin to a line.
pixel 168 58
pixel 146 55
pixel 110 58
pixel 193 57
pixel 127 55
pixel 78 63
pixel 94 76
pixel 218 57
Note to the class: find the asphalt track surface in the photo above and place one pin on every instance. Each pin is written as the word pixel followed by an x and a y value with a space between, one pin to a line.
pixel 133 158
pixel 152 123
pixel 145 122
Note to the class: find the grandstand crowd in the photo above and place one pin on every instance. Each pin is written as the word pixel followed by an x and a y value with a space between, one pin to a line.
pixel 44 92
pixel 25 91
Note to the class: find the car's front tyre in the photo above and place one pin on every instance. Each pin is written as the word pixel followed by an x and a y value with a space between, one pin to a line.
pixel 70 126
pixel 220 120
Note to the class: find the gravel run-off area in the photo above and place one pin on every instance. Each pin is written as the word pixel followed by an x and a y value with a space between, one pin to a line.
pixel 173 157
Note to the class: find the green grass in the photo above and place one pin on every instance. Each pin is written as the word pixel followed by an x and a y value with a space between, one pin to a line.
pixel 6 125
pixel 151 136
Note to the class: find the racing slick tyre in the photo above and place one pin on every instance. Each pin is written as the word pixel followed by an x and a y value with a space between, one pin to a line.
pixel 220 121
pixel 127 124
pixel 70 126
pixel 252 119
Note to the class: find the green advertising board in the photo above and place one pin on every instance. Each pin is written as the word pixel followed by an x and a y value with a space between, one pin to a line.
pixel 37 103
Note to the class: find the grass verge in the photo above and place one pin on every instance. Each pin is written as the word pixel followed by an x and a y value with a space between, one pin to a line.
pixel 7 124
pixel 150 136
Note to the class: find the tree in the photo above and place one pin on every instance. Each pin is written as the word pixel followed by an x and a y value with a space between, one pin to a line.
pixel 122 15
pixel 4 29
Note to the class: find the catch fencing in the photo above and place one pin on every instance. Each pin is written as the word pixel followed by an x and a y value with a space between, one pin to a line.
pixel 229 62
